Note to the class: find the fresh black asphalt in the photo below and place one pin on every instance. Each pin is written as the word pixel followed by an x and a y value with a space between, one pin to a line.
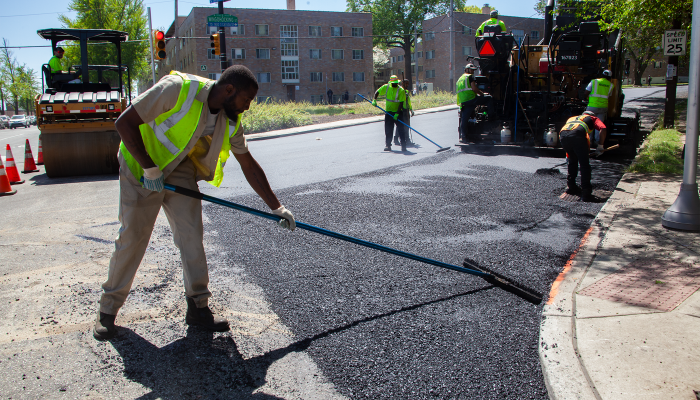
pixel 385 327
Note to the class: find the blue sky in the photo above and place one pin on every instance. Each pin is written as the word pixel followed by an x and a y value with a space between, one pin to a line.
pixel 19 21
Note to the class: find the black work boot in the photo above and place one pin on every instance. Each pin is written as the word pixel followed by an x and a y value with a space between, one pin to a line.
pixel 204 317
pixel 588 197
pixel 104 326
pixel 387 148
pixel 574 190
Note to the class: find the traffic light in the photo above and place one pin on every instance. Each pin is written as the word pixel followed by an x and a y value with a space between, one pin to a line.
pixel 159 45
pixel 216 44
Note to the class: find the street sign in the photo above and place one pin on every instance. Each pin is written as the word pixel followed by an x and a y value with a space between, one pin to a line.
pixel 202 67
pixel 675 42
pixel 222 20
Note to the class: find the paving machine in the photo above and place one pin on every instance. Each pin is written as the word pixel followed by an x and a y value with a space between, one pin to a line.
pixel 76 111
pixel 536 87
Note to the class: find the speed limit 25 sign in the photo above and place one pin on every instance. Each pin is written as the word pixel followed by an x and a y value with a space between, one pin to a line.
pixel 675 42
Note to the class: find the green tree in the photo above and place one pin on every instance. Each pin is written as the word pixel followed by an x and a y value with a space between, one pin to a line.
pixel 471 9
pixel 395 22
pixel 18 83
pixel 122 15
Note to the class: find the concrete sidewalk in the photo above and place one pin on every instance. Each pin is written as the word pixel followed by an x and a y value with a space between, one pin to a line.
pixel 623 318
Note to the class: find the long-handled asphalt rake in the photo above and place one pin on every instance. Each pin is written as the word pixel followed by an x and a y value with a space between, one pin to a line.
pixel 490 277
pixel 409 126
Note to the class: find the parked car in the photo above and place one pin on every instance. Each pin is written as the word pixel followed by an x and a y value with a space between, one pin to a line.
pixel 4 122
pixel 19 120
pixel 32 120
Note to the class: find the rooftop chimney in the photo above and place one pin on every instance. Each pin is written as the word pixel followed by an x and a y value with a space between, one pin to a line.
pixel 484 10
pixel 290 5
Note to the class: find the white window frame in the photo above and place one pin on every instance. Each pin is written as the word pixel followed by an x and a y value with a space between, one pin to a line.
pixel 358 54
pixel 212 30
pixel 258 28
pixel 289 41
pixel 311 54
pixel 334 52
pixel 261 76
pixel 430 55
pixel 290 71
pixel 316 77
pixel 336 29
pixel 314 29
pixel 358 31
pixel 258 52
pixel 236 51
pixel 238 30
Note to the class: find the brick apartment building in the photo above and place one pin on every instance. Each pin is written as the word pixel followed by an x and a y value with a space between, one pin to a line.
pixel 295 55
pixel 433 50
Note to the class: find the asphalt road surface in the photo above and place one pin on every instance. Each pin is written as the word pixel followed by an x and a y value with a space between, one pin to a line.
pixel 312 317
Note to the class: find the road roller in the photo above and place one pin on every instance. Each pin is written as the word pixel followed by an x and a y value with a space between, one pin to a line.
pixel 77 108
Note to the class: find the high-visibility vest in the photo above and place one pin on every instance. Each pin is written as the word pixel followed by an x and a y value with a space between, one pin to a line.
pixel 464 89
pixel 394 97
pixel 600 90
pixel 581 121
pixel 167 136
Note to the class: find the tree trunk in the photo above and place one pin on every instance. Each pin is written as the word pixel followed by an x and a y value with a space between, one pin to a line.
pixel 407 58
pixel 2 102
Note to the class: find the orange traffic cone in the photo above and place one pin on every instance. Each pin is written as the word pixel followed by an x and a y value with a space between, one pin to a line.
pixel 29 165
pixel 5 188
pixel 40 156
pixel 12 173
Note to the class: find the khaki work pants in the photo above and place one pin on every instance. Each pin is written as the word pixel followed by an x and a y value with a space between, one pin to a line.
pixel 137 215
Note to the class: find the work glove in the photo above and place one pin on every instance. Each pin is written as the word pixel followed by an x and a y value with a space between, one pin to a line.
pixel 599 150
pixel 288 219
pixel 374 102
pixel 396 116
pixel 153 179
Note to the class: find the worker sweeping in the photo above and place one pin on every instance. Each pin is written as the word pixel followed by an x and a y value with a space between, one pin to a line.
pixel 575 139
pixel 599 91
pixel 179 132
pixel 395 103
pixel 406 115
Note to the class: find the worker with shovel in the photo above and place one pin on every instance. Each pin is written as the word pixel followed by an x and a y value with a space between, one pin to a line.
pixel 395 102
pixel 575 139
pixel 179 132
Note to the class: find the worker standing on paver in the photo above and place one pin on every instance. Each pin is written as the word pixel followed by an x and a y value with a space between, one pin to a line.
pixel 395 102
pixel 493 25
pixel 406 114
pixel 179 132
pixel 468 97
pixel 575 139
pixel 599 91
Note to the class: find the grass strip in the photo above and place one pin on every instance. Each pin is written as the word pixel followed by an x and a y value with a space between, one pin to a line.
pixel 661 154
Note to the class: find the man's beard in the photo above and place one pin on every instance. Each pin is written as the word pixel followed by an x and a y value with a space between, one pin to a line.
pixel 231 113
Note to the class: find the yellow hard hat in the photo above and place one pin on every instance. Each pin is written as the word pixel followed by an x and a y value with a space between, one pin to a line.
pixel 393 79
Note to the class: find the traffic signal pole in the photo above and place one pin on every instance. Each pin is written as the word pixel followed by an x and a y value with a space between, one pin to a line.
pixel 150 34
pixel 222 38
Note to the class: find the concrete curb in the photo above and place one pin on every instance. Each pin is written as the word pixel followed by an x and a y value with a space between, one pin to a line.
pixel 335 125
pixel 564 371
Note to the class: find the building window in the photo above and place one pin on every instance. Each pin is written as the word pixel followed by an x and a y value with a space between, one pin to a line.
pixel 430 74
pixel 399 58
pixel 429 55
pixel 535 34
pixel 420 54
pixel 316 77
pixel 262 53
pixel 212 29
pixel 262 30
pixel 211 56
pixel 358 32
pixel 237 54
pixel 336 31
pixel 429 35
pixel 393 60
pixel 518 35
pixel 358 54
pixel 466 50
pixel 339 77
pixel 420 68
pixel 238 30
pixel 467 30
pixel 289 42
pixel 658 64
pixel 290 70
pixel 315 54
pixel 316 98
pixel 213 76
pixel 263 77
pixel 315 31
pixel 358 76
pixel 337 54
pixel 263 99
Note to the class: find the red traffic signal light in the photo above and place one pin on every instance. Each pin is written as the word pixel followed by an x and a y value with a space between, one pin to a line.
pixel 159 45
pixel 216 44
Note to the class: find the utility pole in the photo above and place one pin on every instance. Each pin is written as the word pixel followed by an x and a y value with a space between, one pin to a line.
pixel 177 44
pixel 150 41
pixel 684 214
pixel 670 108
pixel 222 37
pixel 415 52
pixel 452 46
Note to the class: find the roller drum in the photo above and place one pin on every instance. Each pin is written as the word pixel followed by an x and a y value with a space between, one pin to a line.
pixel 80 153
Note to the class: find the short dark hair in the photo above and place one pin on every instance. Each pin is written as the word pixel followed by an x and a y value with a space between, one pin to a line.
pixel 240 77
pixel 60 49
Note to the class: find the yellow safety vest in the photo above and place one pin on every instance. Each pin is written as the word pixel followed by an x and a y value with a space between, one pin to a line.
pixel 167 136
pixel 600 90
pixel 464 89
pixel 394 97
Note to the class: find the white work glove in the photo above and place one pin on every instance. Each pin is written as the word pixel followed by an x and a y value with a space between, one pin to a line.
pixel 288 221
pixel 153 179
pixel 599 150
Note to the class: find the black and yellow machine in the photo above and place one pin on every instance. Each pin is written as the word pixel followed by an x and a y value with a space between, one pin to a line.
pixel 536 87
pixel 76 110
